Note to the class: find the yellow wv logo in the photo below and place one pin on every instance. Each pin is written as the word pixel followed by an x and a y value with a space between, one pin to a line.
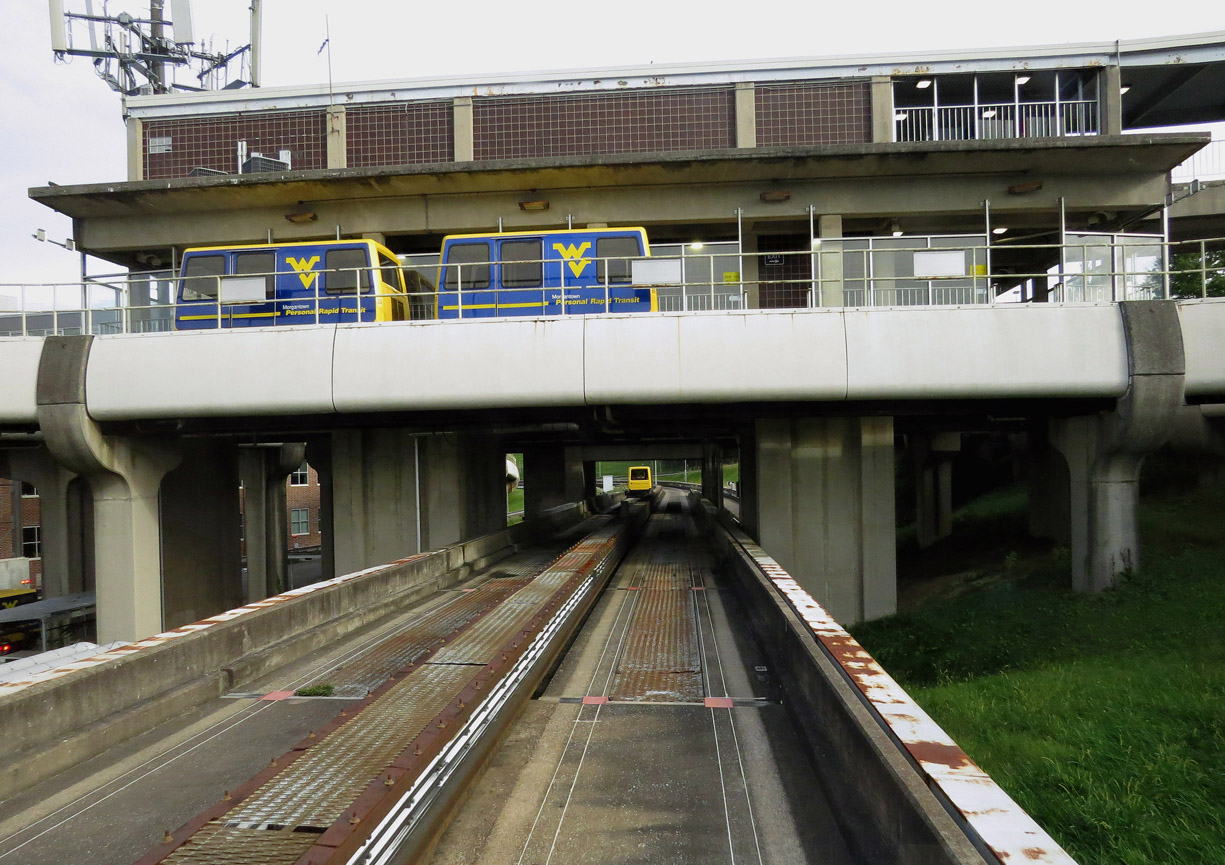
pixel 304 268
pixel 574 256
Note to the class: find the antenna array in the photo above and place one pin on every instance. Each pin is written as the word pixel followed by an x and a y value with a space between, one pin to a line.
pixel 136 56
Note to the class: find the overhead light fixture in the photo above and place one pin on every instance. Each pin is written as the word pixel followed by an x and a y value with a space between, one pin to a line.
pixel 1022 79
pixel 999 230
pixel 774 196
pixel 1023 188
pixel 901 115
pixel 300 216
pixel 697 244
pixel 923 83
pixel 533 205
pixel 816 241
pixel 1124 89
pixel 895 229
pixel 988 114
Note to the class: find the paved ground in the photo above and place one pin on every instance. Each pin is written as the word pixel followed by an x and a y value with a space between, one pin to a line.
pixel 657 776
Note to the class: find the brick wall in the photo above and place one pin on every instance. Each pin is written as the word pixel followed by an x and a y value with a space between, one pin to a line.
pixel 303 498
pixel 689 118
pixel 813 112
pixel 400 133
pixel 172 148
pixel 15 524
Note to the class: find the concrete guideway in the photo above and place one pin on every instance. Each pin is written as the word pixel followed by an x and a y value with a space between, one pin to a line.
pixel 664 735
pixel 896 354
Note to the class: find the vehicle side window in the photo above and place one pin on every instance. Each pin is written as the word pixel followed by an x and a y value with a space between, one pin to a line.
pixel 343 267
pixel 476 273
pixel 392 276
pixel 521 263
pixel 200 274
pixel 614 254
pixel 258 264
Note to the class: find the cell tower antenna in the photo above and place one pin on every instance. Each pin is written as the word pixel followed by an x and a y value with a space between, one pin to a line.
pixel 135 55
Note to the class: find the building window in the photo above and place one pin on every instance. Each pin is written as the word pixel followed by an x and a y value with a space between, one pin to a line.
pixel 299 521
pixel 301 476
pixel 28 490
pixel 32 542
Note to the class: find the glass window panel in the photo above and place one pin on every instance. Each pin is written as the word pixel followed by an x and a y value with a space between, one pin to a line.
pixel 344 267
pixel 521 263
pixel 609 251
pixel 258 264
pixel 475 274
pixel 200 274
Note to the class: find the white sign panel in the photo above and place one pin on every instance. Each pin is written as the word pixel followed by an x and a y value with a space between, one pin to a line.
pixel 939 263
pixel 656 271
pixel 244 289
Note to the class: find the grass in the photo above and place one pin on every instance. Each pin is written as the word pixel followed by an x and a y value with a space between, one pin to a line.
pixel 315 691
pixel 1103 715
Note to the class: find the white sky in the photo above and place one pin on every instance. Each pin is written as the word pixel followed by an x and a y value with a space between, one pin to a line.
pixel 62 124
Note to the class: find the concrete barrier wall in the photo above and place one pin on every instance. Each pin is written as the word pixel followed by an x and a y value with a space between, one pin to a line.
pixel 58 718
pixel 903 791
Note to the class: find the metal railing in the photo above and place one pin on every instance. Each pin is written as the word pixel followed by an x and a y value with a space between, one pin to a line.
pixel 997 120
pixel 1207 164
pixel 909 271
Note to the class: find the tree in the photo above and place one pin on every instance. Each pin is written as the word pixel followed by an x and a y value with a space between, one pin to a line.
pixel 1189 275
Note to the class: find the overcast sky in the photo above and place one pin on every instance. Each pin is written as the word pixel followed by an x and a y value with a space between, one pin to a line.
pixel 62 124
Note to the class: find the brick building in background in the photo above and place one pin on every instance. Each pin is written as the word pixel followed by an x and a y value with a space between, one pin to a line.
pixel 21 525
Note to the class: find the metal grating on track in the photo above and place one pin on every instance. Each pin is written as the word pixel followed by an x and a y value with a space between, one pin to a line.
pixel 314 790
pixel 661 660
pixel 370 669
pixel 478 645
pixel 228 845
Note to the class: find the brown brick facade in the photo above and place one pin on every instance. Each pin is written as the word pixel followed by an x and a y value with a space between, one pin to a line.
pixel 17 535
pixel 400 133
pixel 813 112
pixel 303 498
pixel 688 118
pixel 173 148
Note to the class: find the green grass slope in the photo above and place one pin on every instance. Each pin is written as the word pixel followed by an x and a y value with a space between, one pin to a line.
pixel 1104 715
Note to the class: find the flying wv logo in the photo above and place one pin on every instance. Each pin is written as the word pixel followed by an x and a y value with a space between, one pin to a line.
pixel 574 256
pixel 305 267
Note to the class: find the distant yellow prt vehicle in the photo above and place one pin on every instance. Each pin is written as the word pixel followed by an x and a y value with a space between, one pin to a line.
pixel 640 481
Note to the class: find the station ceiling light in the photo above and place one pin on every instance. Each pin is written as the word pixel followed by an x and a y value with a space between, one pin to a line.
pixel 775 195
pixel 999 230
pixel 299 217
pixel 1022 79
pixel 533 205
pixel 697 244
pixel 923 83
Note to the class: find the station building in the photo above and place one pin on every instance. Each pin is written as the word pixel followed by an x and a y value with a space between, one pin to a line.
pixel 1046 172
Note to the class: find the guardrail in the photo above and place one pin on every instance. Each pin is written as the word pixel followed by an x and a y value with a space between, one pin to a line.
pixel 903 271
pixel 996 120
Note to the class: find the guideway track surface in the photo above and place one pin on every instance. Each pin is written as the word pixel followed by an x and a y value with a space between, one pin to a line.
pixel 406 731
pixel 660 737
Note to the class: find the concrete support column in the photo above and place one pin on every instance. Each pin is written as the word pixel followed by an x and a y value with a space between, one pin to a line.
pixel 1105 452
pixel 337 137
pixel 1110 85
pixel 461 114
pixel 933 480
pixel 552 476
pixel 125 475
pixel 264 471
pixel 712 474
pixel 746 487
pixel 882 109
pixel 61 553
pixel 751 267
pixel 396 493
pixel 825 493
pixel 319 455
pixel 830 260
pixel 136 148
pixel 201 561
pixel 746 114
